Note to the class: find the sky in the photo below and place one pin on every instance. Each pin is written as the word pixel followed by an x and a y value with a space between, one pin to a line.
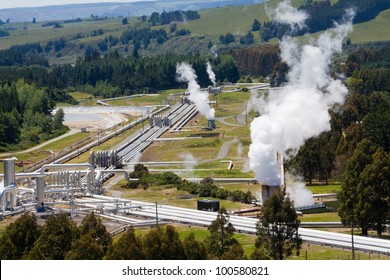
pixel 5 4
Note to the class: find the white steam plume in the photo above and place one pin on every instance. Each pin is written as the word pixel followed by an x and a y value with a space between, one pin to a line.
pixel 190 162
pixel 286 14
pixel 211 73
pixel 298 192
pixel 300 109
pixel 185 73
pixel 214 50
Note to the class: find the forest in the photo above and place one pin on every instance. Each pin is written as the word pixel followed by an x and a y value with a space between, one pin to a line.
pixel 26 116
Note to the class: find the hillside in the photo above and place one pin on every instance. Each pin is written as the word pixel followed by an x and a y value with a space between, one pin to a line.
pixel 199 34
pixel 118 9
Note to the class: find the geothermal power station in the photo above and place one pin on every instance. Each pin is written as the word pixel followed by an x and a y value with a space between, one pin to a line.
pixel 79 188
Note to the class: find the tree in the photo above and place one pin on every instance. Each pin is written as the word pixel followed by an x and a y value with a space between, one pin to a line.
pixel 93 226
pixel 128 247
pixel 377 125
pixel 9 128
pixel 22 234
pixel 139 171
pixel 279 74
pixel 235 252
pixel 85 248
pixel 256 25
pixel 277 228
pixel 221 235
pixel 247 39
pixel 194 250
pixel 56 238
pixel 7 248
pixel 58 118
pixel 375 185
pixel 125 21
pixel 163 243
pixel 354 200
pixel 172 246
pixel 226 39
pixel 308 159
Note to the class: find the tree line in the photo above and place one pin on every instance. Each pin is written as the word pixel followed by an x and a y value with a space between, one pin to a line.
pixel 127 74
pixel 61 238
pixel 206 188
pixel 26 115
pixel 133 73
pixel 23 55
pixel 256 61
pixel 168 17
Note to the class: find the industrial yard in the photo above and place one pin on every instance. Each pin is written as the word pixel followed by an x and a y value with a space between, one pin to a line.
pixel 142 141
pixel 76 181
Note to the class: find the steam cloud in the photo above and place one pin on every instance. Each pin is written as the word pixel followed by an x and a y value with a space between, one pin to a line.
pixel 300 109
pixel 286 14
pixel 211 73
pixel 214 50
pixel 190 163
pixel 185 73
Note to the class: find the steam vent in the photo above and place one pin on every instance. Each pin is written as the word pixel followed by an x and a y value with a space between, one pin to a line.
pixel 268 190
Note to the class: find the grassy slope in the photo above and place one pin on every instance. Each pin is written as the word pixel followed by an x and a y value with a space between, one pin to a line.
pixel 37 33
pixel 213 22
pixel 374 30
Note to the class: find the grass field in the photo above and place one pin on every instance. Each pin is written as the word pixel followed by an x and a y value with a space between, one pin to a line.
pixel 377 29
pixel 29 32
pixel 171 196
pixel 234 19
pixel 320 217
pixel 319 189
pixel 213 23
pixel 308 251
pixel 49 149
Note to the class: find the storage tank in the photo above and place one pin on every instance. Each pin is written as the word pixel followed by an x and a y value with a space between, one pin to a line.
pixel 208 205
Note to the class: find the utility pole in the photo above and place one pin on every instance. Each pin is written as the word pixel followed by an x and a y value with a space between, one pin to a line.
pixel 156 215
pixel 352 241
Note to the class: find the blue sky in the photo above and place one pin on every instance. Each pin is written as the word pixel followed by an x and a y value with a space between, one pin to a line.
pixel 4 4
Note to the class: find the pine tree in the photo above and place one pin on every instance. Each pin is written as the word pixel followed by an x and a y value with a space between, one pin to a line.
pixel 277 229
pixel 221 235
pixel 354 201
pixel 128 247
pixel 194 249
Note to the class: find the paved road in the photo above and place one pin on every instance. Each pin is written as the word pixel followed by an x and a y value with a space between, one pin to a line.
pixel 71 132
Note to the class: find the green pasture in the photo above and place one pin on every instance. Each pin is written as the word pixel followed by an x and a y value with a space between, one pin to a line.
pixel 308 251
pixel 49 149
pixel 319 189
pixel 377 29
pixel 28 32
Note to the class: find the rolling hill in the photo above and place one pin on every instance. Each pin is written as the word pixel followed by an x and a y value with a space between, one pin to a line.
pixel 213 22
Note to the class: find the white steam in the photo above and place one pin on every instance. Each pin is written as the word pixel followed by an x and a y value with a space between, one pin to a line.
pixel 211 73
pixel 256 102
pixel 300 109
pixel 190 163
pixel 286 14
pixel 298 192
pixel 185 73
pixel 214 50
